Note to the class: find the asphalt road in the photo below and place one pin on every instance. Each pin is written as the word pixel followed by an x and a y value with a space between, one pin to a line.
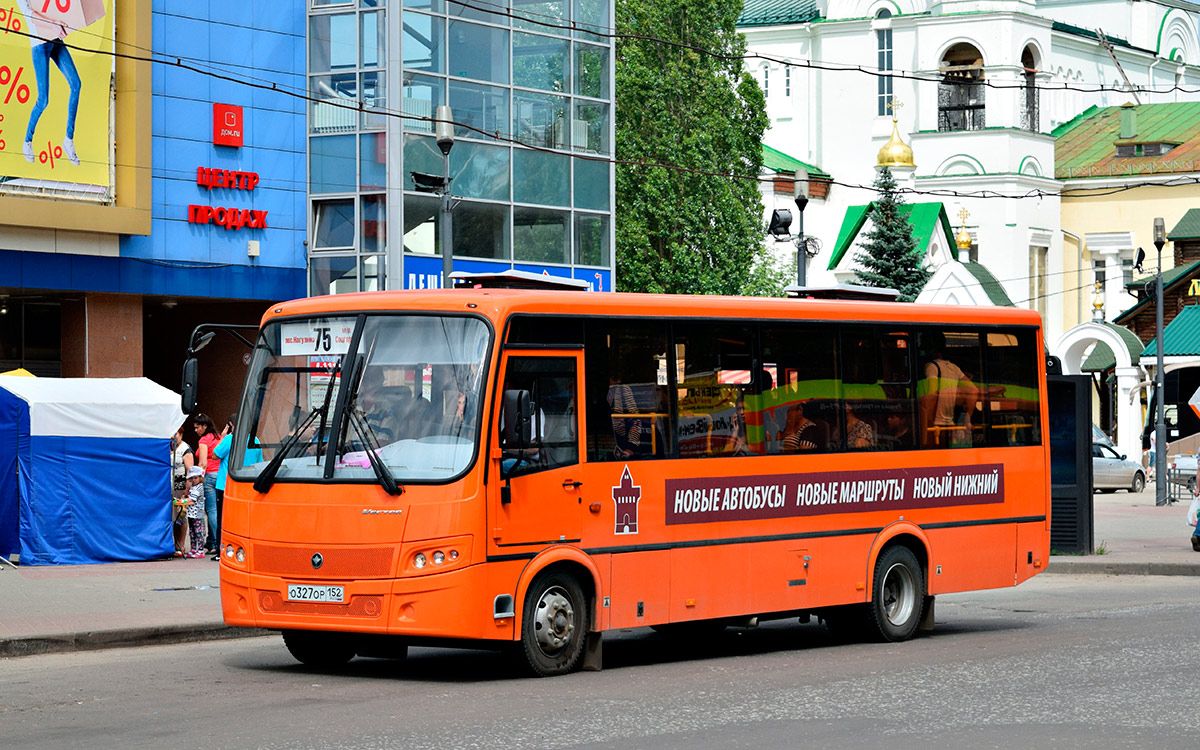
pixel 1062 661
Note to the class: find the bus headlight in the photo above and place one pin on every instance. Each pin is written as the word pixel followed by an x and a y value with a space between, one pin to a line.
pixel 430 556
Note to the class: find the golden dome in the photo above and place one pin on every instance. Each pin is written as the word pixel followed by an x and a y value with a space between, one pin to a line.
pixel 963 239
pixel 895 153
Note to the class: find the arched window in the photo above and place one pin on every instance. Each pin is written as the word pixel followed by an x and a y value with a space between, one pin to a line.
pixel 766 80
pixel 1030 118
pixel 883 46
pixel 787 81
pixel 961 91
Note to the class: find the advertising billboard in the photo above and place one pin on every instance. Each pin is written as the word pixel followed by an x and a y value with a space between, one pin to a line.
pixel 56 68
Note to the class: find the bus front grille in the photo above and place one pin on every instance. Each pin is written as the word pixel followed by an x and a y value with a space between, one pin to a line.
pixel 356 562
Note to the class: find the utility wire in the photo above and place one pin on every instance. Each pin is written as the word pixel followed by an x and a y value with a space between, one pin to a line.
pixel 611 32
pixel 607 157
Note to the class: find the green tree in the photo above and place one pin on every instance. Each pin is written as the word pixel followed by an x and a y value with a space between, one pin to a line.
pixel 677 231
pixel 889 257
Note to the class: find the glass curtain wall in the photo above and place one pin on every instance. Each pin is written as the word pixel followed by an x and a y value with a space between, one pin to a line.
pixel 347 146
pixel 531 93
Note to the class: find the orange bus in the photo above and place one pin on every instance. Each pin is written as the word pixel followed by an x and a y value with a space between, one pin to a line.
pixel 534 468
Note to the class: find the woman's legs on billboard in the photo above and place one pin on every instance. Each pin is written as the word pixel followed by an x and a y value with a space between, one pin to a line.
pixel 41 69
pixel 42 54
pixel 66 65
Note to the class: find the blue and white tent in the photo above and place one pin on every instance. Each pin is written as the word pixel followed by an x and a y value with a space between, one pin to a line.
pixel 85 469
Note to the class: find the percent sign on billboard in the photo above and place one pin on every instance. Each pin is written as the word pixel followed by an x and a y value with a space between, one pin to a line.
pixel 55 91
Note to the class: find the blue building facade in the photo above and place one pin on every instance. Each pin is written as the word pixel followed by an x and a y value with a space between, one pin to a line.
pixel 227 220
pixel 253 43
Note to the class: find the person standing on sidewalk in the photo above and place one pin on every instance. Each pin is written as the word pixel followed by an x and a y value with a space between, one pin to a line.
pixel 211 465
pixel 253 456
pixel 195 511
pixel 182 460
pixel 1191 517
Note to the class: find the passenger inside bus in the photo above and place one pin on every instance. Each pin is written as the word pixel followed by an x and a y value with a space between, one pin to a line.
pixel 380 415
pixel 860 434
pixel 800 433
pixel 898 434
pixel 946 399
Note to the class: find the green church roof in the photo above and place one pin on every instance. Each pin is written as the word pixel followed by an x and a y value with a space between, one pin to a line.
pixel 925 218
pixel 1188 227
pixel 993 288
pixel 1181 337
pixel 777 12
pixel 1170 277
pixel 778 161
pixel 1102 358
pixel 1087 145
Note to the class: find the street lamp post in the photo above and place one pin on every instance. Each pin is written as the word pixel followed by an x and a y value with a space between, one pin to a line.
pixel 444 132
pixel 801 244
pixel 1160 427
pixel 439 185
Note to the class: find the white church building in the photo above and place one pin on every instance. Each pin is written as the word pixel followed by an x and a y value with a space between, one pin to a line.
pixel 975 84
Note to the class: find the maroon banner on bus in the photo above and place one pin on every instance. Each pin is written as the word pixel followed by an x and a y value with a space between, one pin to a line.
pixel 709 499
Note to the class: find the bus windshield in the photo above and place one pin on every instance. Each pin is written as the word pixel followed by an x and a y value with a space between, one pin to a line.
pixel 411 410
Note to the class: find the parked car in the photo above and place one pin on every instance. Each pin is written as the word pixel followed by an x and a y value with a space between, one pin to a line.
pixel 1098 436
pixel 1113 471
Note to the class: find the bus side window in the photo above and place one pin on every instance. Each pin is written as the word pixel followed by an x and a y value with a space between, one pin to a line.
pixel 1012 388
pixel 951 404
pixel 550 381
pixel 628 417
pixel 800 412
pixel 713 375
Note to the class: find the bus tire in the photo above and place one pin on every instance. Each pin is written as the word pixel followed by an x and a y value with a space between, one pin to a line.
pixel 319 649
pixel 554 624
pixel 898 594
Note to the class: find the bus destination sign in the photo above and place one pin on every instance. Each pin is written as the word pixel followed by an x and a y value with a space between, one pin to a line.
pixel 711 499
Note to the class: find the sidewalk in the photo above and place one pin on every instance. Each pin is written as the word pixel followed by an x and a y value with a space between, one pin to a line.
pixel 1137 537
pixel 52 609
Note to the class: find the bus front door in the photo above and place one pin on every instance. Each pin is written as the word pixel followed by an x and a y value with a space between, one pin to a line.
pixel 536 495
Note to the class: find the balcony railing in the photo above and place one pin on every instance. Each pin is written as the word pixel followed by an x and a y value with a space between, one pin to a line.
pixel 961 105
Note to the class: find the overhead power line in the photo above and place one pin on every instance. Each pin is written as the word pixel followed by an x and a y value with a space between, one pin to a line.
pixel 358 105
pixel 611 32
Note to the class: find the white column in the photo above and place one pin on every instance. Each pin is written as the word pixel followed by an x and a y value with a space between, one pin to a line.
pixel 1129 415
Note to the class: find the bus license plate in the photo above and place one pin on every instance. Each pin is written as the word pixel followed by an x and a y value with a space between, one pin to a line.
pixel 298 592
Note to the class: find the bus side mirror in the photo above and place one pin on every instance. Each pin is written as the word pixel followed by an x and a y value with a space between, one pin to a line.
pixel 517 419
pixel 188 402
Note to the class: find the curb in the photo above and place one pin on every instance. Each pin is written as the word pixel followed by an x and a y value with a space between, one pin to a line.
pixel 1099 567
pixel 121 638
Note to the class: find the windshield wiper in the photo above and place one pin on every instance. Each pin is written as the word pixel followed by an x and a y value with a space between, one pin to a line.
pixel 371 443
pixel 266 477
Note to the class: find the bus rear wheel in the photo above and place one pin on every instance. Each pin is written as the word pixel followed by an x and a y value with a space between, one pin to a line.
pixel 319 649
pixel 554 624
pixel 898 595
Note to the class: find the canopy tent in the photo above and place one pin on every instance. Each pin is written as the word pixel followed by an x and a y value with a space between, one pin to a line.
pixel 20 372
pixel 85 469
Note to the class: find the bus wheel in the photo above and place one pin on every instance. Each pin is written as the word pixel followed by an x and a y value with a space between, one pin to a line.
pixel 898 594
pixel 554 625
pixel 318 649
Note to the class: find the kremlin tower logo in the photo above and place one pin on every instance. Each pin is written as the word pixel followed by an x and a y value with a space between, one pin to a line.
pixel 625 498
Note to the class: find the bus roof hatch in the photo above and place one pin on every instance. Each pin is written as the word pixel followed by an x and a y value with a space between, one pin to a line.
pixel 842 291
pixel 514 279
